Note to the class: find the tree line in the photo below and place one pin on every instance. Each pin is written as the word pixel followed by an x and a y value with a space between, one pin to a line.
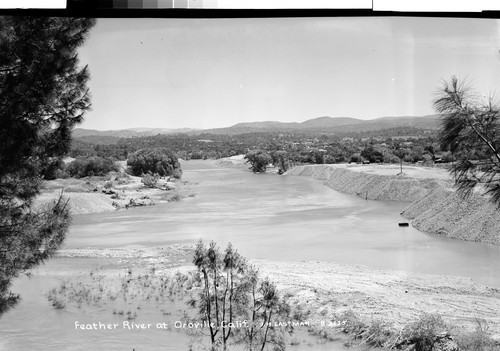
pixel 300 147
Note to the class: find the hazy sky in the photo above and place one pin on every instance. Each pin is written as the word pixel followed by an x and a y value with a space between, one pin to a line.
pixel 208 73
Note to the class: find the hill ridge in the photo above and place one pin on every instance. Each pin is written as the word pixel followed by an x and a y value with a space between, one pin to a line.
pixel 317 124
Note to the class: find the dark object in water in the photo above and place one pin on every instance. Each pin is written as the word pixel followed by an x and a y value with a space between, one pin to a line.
pixel 404 224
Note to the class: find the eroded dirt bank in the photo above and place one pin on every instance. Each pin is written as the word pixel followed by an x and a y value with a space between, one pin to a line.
pixel 434 206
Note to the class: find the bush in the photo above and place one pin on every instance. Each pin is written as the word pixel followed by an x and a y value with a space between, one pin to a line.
pixel 150 180
pixel 156 160
pixel 356 158
pixel 478 340
pixel 177 173
pixel 93 166
pixel 424 332
pixel 52 168
pixel 62 174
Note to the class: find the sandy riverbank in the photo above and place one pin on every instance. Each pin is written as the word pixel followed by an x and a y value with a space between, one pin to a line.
pixel 394 297
pixel 237 161
pixel 325 291
pixel 116 191
pixel 433 204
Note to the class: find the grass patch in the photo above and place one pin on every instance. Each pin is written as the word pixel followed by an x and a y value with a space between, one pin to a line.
pixel 478 340
pixel 99 290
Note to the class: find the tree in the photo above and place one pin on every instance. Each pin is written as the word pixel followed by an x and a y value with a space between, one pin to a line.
pixel 317 157
pixel 431 150
pixel 43 94
pixel 372 155
pixel 92 166
pixel 280 160
pixel 231 291
pixel 470 130
pixel 401 153
pixel 356 158
pixel 158 160
pixel 258 160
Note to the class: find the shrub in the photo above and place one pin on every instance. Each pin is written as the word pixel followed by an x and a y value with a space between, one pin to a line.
pixel 377 333
pixel 62 174
pixel 356 158
pixel 424 332
pixel 177 173
pixel 52 168
pixel 155 160
pixel 478 340
pixel 93 166
pixel 150 180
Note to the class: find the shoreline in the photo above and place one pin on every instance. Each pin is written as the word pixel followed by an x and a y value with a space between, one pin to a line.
pixel 433 204
pixel 326 290
pixel 395 297
pixel 114 192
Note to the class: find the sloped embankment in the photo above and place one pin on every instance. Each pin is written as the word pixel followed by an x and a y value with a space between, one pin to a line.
pixel 434 207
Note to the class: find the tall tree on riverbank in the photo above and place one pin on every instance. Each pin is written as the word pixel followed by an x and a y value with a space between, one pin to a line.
pixel 280 160
pixel 231 292
pixel 43 94
pixel 470 129
pixel 158 160
pixel 259 160
pixel 401 153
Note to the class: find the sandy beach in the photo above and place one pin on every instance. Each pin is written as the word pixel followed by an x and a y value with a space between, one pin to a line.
pixel 116 191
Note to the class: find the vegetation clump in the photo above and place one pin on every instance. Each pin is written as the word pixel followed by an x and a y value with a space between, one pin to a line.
pixel 90 167
pixel 258 160
pixel 150 180
pixel 428 333
pixel 478 340
pixel 159 161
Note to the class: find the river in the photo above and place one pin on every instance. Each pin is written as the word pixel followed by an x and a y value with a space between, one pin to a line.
pixel 265 216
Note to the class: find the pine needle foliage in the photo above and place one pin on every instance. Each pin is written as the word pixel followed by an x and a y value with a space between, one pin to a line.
pixel 470 129
pixel 43 94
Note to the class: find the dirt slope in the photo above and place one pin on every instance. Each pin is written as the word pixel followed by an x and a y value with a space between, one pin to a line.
pixel 434 206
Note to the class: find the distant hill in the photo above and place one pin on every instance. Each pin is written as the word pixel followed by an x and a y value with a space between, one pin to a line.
pixel 329 122
pixel 128 133
pixel 316 125
pixel 330 125
pixel 430 122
